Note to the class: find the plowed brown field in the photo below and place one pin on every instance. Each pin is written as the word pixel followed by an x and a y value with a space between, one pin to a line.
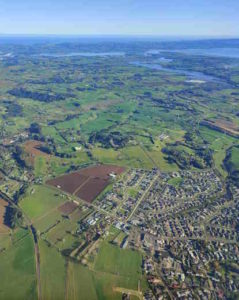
pixel 87 183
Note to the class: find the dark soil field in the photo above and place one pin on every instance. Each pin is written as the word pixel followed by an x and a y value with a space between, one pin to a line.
pixel 102 171
pixel 92 188
pixel 87 183
pixel 67 208
pixel 69 183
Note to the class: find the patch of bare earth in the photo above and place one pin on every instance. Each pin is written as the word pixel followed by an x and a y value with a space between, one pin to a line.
pixel 32 149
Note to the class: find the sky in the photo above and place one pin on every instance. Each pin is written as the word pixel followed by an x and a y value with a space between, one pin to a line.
pixel 121 17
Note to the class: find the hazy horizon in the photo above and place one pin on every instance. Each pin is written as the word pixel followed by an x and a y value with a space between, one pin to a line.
pixel 124 17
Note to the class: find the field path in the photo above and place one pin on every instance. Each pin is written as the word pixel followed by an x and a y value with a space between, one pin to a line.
pixel 37 256
pixel 148 155
pixel 37 260
pixel 79 187
pixel 66 280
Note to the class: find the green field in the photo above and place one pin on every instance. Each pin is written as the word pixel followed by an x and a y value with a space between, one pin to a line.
pixel 40 166
pixel 95 284
pixel 232 163
pixel 68 280
pixel 235 157
pixel 135 157
pixel 5 241
pixel 118 261
pixel 52 273
pixel 17 271
pixel 219 143
pixel 176 181
pixel 80 281
pixel 39 200
pixel 47 221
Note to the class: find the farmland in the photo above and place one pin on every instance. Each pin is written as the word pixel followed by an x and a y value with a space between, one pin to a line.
pixel 87 183
pixel 52 273
pixel 40 200
pixel 113 260
pixel 19 265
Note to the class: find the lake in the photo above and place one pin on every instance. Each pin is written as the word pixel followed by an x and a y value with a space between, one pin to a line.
pixel 190 74
pixel 218 52
pixel 85 54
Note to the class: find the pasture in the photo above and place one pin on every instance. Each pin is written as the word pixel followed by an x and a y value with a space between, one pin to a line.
pixel 40 200
pixel 17 275
pixel 117 261
pixel 52 266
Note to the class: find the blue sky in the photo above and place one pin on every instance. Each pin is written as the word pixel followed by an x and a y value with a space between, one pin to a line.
pixel 125 17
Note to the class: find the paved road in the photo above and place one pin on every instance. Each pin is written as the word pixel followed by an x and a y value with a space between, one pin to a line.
pixel 142 197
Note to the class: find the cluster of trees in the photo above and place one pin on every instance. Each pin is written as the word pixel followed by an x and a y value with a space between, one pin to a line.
pixel 107 139
pixel 195 142
pixel 183 159
pixel 231 164
pixel 19 193
pixel 19 156
pixel 43 97
pixel 35 128
pixel 36 132
pixel 13 109
pixel 13 217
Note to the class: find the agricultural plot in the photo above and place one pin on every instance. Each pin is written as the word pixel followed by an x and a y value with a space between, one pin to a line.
pixel 232 163
pixel 102 282
pixel 219 143
pixel 47 221
pixel 59 228
pixel 69 183
pixel 52 273
pixel 92 188
pixel 58 232
pixel 68 208
pixel 80 281
pixel 223 126
pixel 40 200
pixel 115 260
pixel 40 166
pixel 17 276
pixel 136 157
pixel 5 241
pixel 87 183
